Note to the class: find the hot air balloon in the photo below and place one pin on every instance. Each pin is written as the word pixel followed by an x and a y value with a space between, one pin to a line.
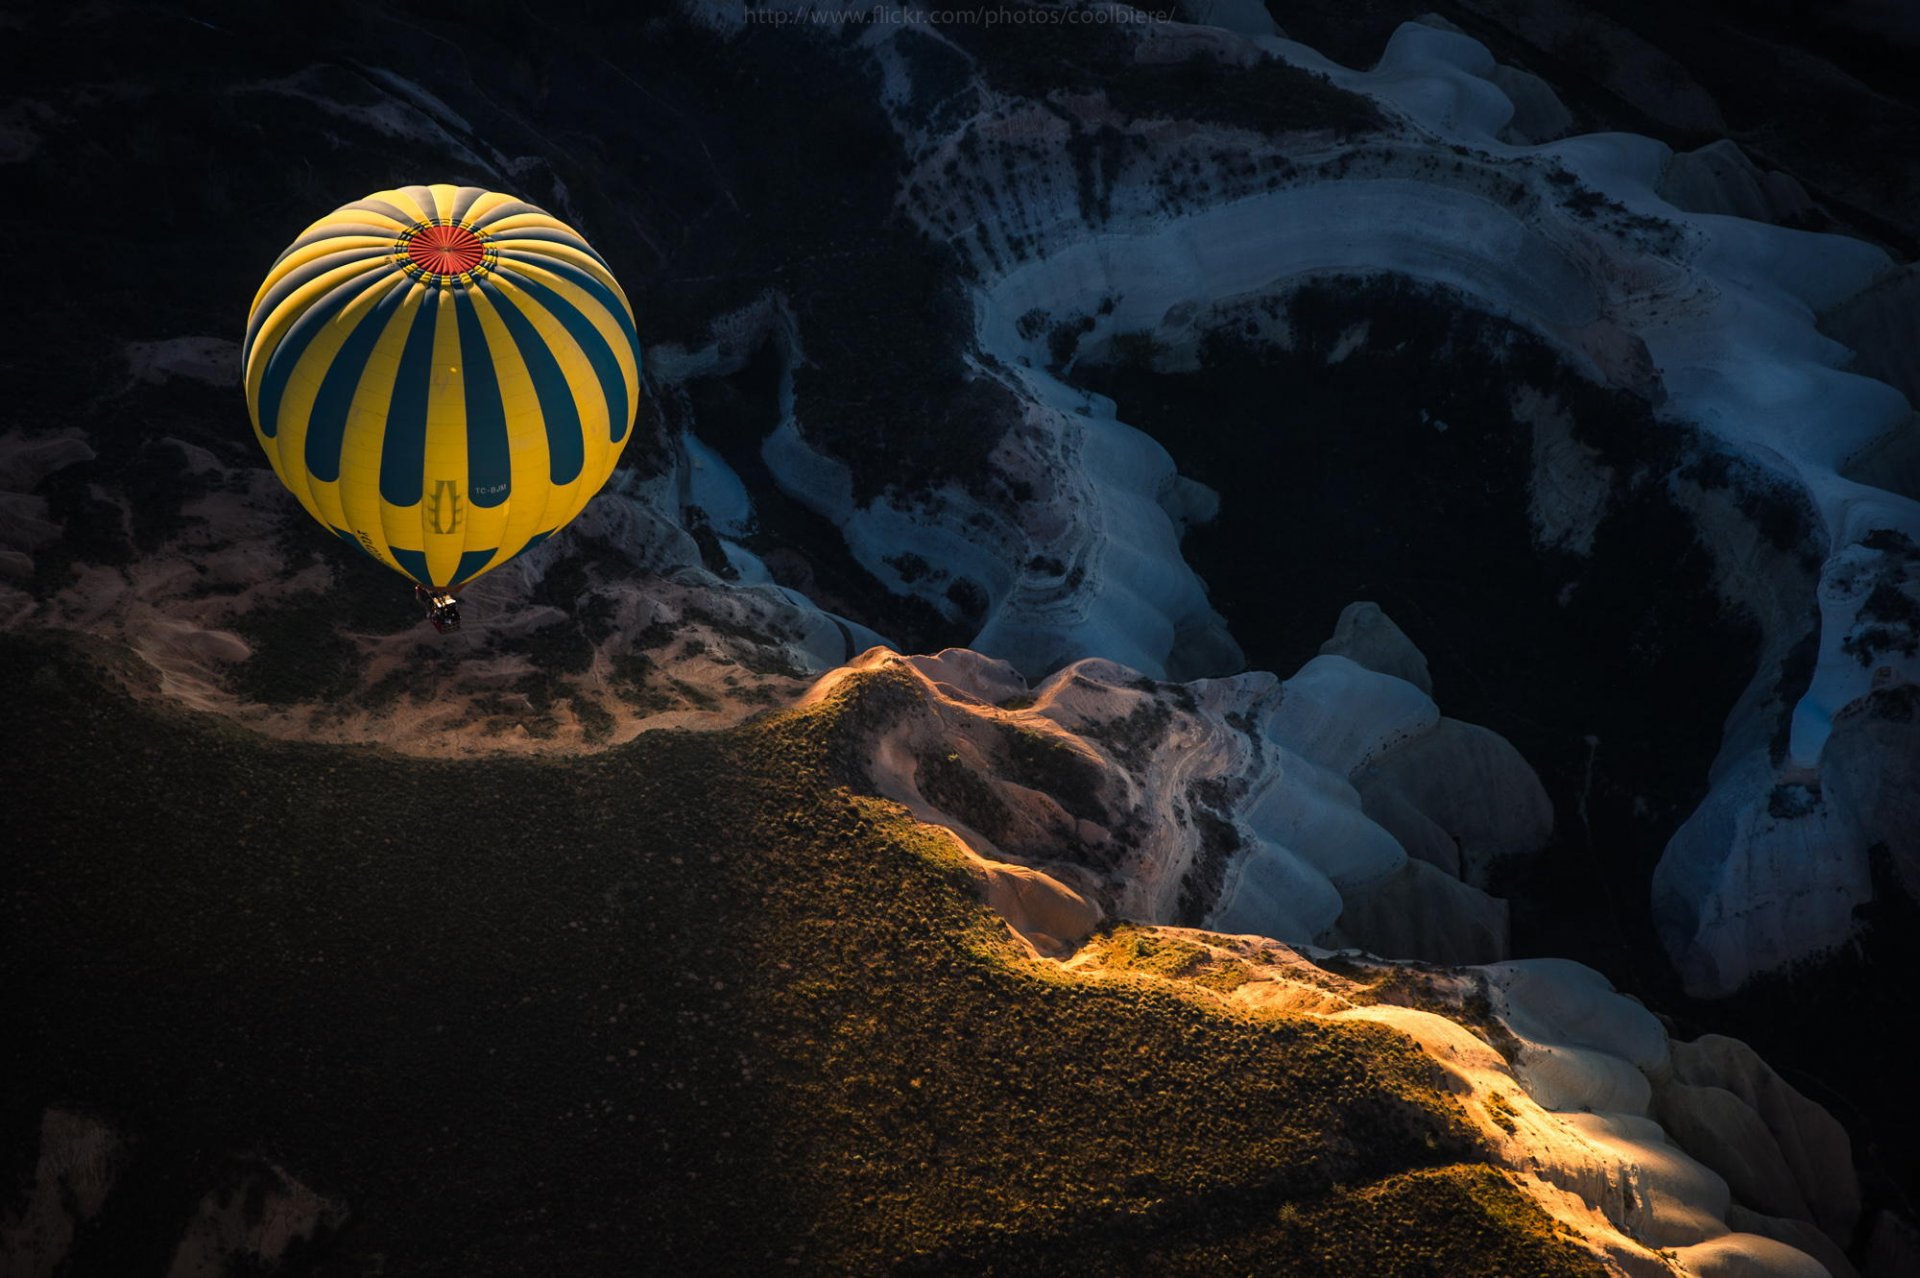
pixel 443 376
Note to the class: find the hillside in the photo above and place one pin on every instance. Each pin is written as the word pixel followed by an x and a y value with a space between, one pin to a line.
pixel 696 1001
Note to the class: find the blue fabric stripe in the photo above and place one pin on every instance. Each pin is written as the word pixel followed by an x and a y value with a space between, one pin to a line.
pixel 403 446
pixel 327 427
pixel 606 369
pixel 414 561
pixel 600 293
pixel 566 445
pixel 489 463
pixel 286 356
pixel 471 561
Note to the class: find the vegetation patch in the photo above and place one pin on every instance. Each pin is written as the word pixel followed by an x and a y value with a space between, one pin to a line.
pixel 1151 952
pixel 1502 1112
pixel 1210 805
pixel 956 789
pixel 1133 737
pixel 559 647
pixel 1386 1229
pixel 1042 761
pixel 1889 622
pixel 299 656
pixel 596 724
pixel 1064 339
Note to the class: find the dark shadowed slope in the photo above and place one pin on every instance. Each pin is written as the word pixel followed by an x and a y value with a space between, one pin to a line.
pixel 693 1003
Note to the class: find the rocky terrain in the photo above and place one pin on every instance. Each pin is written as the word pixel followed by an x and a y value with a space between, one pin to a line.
pixel 1127 436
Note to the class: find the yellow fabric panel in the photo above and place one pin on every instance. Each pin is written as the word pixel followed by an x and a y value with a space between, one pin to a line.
pixel 487 203
pixel 344 216
pixel 347 215
pixel 504 228
pixel 443 195
pixel 467 525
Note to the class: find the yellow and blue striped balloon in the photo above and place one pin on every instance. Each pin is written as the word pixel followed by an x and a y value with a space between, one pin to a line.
pixel 442 375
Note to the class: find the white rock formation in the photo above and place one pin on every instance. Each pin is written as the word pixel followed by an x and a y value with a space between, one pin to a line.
pixel 1367 637
pixel 1248 803
pixel 1720 178
pixel 1627 1138
pixel 1881 325
pixel 1538 114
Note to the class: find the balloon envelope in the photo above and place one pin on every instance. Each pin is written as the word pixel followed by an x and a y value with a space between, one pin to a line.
pixel 441 375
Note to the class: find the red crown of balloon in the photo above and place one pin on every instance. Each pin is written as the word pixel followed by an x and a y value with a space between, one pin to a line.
pixel 443 252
